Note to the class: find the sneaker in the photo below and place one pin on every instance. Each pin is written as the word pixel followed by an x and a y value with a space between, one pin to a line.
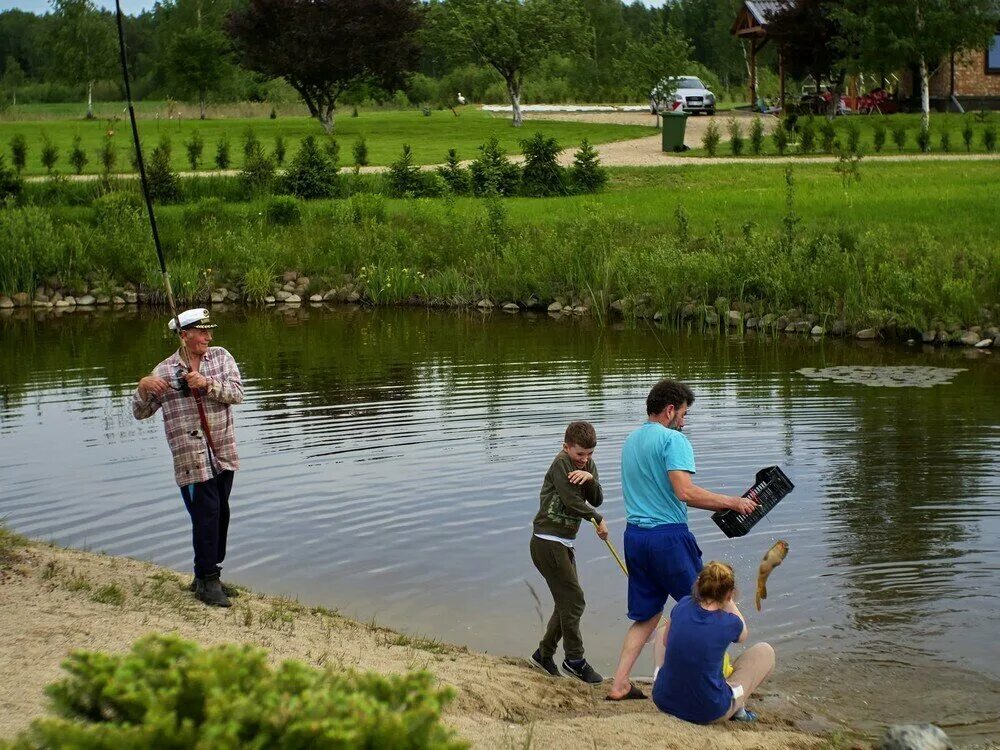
pixel 743 715
pixel 581 670
pixel 209 590
pixel 231 591
pixel 544 663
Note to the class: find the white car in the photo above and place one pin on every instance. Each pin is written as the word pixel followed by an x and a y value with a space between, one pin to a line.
pixel 690 95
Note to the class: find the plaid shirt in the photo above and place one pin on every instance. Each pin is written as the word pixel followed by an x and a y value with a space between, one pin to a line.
pixel 180 414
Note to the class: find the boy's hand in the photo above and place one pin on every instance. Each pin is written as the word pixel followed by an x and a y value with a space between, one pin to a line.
pixel 580 476
pixel 602 529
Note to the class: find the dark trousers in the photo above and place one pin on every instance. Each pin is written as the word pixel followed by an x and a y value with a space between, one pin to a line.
pixel 208 505
pixel 557 564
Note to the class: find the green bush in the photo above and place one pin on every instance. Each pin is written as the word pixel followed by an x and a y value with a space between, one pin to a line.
pixel 222 159
pixel 195 147
pixel 587 175
pixel 204 213
pixel 11 184
pixel 366 209
pixel 710 139
pixel 32 249
pixel 756 136
pixel 258 171
pixel 735 136
pixel 968 133
pixel 828 136
pixel 250 142
pixel 454 175
pixel 279 150
pixel 990 138
pixel 542 176
pixel 283 210
pixel 77 156
pixel 878 136
pixel 169 693
pixel 311 174
pixel 807 136
pixel 924 139
pixel 164 184
pixel 899 136
pixel 493 172
pixel 360 152
pixel 18 152
pixel 50 154
pixel 403 178
pixel 108 155
pixel 853 137
pixel 945 139
pixel 780 138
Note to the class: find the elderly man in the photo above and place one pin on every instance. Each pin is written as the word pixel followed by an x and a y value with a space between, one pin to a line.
pixel 196 387
pixel 662 555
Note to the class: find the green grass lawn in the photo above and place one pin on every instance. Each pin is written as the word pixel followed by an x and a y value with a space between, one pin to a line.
pixel 385 132
pixel 951 124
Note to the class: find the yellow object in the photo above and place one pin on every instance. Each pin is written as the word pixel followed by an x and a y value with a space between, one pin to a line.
pixel 727 666
pixel 612 550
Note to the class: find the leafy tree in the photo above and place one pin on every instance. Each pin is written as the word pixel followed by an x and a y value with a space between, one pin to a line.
pixel 651 61
pixel 84 45
pixel 50 154
pixel 587 175
pixel 195 147
pixel 542 175
pixel 108 155
pixel 197 60
pixel 323 48
pixel 514 36
pixel 13 77
pixel 222 153
pixel 311 174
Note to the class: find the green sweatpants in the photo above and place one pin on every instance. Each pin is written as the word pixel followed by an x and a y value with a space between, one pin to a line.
pixel 557 565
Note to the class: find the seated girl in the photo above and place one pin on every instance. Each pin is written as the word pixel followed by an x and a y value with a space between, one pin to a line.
pixel 690 684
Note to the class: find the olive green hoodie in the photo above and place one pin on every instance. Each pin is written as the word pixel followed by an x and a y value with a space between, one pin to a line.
pixel 563 504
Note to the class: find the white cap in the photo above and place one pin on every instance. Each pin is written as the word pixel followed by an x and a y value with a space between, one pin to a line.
pixel 194 318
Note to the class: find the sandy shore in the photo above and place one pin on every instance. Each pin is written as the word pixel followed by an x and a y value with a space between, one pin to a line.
pixel 53 601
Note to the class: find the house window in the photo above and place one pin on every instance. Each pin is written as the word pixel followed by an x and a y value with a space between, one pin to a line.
pixel 993 56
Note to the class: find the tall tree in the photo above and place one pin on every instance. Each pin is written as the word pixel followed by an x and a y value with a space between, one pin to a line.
pixel 324 47
pixel 652 59
pixel 13 77
pixel 84 45
pixel 514 36
pixel 894 34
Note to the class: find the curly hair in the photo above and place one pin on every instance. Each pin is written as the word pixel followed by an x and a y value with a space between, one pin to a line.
pixel 581 434
pixel 668 393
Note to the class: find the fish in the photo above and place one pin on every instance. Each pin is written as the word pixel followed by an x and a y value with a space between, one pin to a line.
pixel 771 560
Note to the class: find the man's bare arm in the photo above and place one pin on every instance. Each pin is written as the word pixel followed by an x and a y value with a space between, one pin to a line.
pixel 698 497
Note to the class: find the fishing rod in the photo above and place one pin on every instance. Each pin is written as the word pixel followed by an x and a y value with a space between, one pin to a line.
pixel 612 550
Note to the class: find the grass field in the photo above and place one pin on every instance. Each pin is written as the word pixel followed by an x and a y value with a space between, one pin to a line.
pixel 951 124
pixel 385 132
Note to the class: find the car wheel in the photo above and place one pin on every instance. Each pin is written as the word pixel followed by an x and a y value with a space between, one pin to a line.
pixel 710 112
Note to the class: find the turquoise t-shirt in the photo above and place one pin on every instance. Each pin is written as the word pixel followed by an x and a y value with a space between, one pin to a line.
pixel 647 455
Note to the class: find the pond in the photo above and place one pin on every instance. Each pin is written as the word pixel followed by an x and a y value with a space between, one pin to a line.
pixel 392 461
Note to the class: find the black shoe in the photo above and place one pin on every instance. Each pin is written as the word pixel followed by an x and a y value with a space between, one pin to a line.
pixel 209 590
pixel 581 670
pixel 231 591
pixel 545 663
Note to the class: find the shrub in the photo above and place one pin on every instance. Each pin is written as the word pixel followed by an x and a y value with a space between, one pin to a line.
pixel 710 139
pixel 899 136
pixel 108 155
pixel 258 170
pixel 170 693
pixel 279 150
pixel 542 174
pixel 924 139
pixel 311 174
pixel 332 148
pixel 990 138
pixel 50 154
pixel 853 137
pixel 454 175
pixel 222 159
pixel 403 177
pixel 10 182
pixel 364 209
pixel 807 136
pixel 780 138
pixel 31 248
pixel 878 136
pixel 166 146
pixel 968 133
pixel 587 175
pixel 945 140
pixel 204 213
pixel 735 136
pixel 828 136
pixel 164 185
pixel 195 147
pixel 756 136
pixel 493 172
pixel 78 157
pixel 360 152
pixel 283 210
pixel 18 152
pixel 250 142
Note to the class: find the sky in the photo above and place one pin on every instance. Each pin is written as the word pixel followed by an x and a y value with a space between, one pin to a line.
pixel 44 6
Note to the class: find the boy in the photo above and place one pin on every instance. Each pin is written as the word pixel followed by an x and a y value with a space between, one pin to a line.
pixel 570 492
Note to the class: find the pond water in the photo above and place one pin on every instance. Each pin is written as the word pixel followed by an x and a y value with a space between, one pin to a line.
pixel 392 462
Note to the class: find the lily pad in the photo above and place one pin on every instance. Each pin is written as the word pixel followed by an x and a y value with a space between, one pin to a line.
pixel 902 376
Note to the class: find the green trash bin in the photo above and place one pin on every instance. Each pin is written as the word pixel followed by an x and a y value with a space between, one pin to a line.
pixel 674 124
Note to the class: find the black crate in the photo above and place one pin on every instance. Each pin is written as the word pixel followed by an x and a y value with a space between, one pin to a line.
pixel 770 486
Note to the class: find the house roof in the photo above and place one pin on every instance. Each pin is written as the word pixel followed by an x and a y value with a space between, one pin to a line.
pixel 762 10
pixel 754 16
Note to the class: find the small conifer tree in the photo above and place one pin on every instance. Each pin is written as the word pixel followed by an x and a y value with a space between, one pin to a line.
pixel 587 175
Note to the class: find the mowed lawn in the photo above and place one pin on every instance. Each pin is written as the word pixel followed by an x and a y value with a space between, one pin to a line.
pixel 385 133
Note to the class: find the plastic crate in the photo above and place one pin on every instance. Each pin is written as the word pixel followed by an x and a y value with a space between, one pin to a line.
pixel 770 486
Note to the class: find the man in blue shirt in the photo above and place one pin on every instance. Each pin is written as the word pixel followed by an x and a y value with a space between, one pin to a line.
pixel 661 554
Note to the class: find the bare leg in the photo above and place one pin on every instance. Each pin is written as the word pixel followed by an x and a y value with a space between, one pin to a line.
pixel 635 639
pixel 660 646
pixel 750 670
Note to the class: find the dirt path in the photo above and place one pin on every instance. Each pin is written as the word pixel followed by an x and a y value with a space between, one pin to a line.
pixel 48 608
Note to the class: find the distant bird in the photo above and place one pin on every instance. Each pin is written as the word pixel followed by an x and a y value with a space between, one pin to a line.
pixel 461 99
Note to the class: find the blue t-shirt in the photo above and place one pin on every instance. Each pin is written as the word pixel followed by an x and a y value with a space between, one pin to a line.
pixel 690 685
pixel 647 455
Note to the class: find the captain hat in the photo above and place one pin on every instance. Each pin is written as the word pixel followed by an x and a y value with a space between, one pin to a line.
pixel 196 317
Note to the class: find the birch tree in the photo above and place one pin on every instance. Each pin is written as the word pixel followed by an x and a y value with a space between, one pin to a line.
pixel 84 45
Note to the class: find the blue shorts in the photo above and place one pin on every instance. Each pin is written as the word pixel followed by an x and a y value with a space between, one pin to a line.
pixel 662 561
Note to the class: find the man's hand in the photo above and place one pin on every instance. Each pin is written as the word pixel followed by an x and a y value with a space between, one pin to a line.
pixel 579 476
pixel 743 505
pixel 151 384
pixel 196 380
pixel 602 529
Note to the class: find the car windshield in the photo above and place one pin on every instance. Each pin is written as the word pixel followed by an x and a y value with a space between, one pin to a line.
pixel 689 83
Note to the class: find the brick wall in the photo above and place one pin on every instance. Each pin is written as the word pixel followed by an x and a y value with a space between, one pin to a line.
pixel 971 79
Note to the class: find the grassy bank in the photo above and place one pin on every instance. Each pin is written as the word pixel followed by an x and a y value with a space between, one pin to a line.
pixel 909 244
pixel 385 132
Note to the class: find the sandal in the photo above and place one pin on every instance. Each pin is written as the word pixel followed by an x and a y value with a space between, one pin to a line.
pixel 633 694
pixel 743 714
